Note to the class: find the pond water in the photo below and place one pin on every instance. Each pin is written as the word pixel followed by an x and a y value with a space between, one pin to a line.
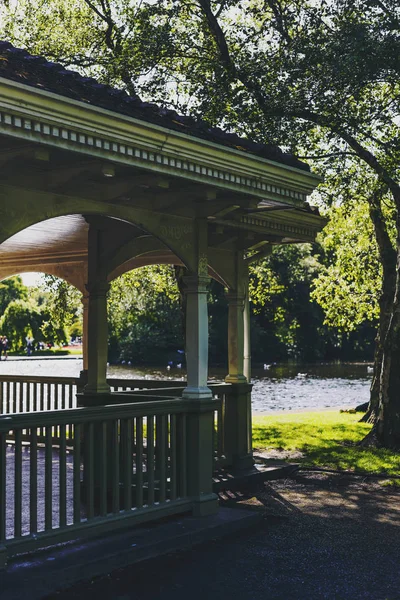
pixel 276 388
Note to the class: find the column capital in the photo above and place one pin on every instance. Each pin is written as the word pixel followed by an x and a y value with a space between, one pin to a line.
pixel 97 288
pixel 235 298
pixel 196 284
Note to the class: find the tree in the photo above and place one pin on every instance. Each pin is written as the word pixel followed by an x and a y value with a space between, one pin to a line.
pixel 288 323
pixel 319 77
pixel 63 307
pixel 11 289
pixel 144 316
pixel 21 319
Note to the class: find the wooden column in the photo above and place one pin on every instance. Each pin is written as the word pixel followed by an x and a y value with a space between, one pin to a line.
pixel 85 330
pixel 247 339
pixel 237 418
pixel 196 337
pixel 97 333
pixel 236 302
pixel 200 420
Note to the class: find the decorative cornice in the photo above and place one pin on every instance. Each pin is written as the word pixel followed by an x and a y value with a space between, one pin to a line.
pixel 47 118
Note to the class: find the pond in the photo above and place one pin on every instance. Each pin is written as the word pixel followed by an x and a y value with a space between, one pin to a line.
pixel 284 387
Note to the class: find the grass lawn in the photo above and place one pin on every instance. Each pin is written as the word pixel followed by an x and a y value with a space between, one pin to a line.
pixel 325 439
pixel 52 352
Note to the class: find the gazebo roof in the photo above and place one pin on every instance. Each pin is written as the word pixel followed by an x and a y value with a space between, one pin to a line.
pixel 75 153
pixel 18 65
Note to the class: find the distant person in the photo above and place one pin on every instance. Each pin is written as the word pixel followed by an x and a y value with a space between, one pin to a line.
pixel 29 345
pixel 4 343
pixel 1 346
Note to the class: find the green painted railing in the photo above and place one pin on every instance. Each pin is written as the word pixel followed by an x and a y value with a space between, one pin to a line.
pixel 21 394
pixel 24 394
pixel 109 464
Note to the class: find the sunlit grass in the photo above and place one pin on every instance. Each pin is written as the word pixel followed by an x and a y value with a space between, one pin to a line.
pixel 325 439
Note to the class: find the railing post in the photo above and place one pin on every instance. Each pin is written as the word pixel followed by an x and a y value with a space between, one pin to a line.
pixel 200 423
pixel 237 426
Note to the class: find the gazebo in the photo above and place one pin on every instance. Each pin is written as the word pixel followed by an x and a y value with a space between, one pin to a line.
pixel 95 183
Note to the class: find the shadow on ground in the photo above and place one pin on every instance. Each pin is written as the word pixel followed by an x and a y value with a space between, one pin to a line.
pixel 323 537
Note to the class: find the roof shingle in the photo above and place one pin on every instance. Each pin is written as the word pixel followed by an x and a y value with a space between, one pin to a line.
pixel 18 65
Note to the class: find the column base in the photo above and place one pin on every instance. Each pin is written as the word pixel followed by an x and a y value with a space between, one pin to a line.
pixel 98 389
pixel 197 393
pixel 235 379
pixel 90 398
pixel 205 505
pixel 243 463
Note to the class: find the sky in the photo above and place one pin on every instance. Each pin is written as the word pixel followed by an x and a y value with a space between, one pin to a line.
pixel 31 279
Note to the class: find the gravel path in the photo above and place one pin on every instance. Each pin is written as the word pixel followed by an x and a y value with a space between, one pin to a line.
pixel 324 537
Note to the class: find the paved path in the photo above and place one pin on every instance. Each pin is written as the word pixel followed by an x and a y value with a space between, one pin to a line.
pixel 324 538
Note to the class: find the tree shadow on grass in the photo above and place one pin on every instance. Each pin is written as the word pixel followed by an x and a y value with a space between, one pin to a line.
pixel 335 447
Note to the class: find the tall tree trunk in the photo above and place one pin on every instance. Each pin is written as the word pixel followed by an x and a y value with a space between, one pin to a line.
pixel 387 426
pixel 387 256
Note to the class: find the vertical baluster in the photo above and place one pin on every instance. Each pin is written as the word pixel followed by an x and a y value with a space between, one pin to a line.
pixel 56 406
pixel 43 406
pixel 48 479
pixel 2 397
pixel 49 396
pixel 114 465
pixel 33 481
pixel 150 459
pixel 14 389
pixel 77 473
pixel 8 399
pixel 70 405
pixel 63 475
pixel 20 395
pixel 172 450
pixel 63 385
pixel 221 429
pixel 214 434
pixel 89 470
pixel 18 483
pixel 28 406
pixel 41 396
pixel 127 450
pixel 162 445
pixel 103 468
pixel 139 462
pixel 3 482
pixel 35 396
pixel 182 457
pixel 56 397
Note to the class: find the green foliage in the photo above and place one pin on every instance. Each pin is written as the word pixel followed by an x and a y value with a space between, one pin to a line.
pixel 288 323
pixel 348 287
pixel 320 78
pixel 21 319
pixel 63 307
pixel 144 316
pixel 327 439
pixel 43 316
pixel 11 289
